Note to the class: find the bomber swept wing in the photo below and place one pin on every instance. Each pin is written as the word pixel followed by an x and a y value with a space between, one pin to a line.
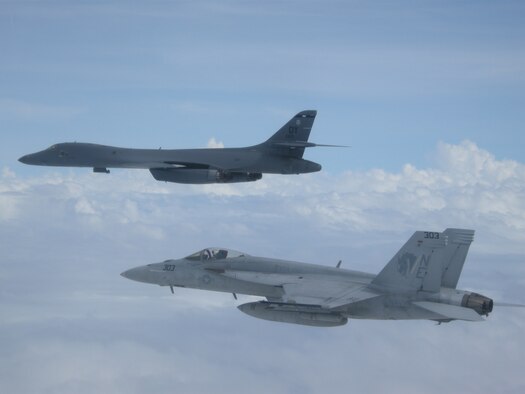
pixel 419 282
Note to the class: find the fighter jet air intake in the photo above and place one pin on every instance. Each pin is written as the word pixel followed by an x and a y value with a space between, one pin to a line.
pixel 419 282
pixel 280 154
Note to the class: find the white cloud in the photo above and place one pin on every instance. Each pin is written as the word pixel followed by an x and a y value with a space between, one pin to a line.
pixel 8 207
pixel 213 143
pixel 83 206
pixel 7 173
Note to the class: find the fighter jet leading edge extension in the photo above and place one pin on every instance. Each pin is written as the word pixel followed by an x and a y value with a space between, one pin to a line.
pixel 419 282
pixel 280 154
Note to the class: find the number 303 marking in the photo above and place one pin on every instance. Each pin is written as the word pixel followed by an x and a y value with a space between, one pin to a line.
pixel 431 235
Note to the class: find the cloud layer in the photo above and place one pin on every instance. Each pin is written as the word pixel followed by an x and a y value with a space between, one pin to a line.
pixel 71 321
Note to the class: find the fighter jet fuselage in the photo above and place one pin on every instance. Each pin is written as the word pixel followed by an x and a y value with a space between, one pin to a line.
pixel 419 282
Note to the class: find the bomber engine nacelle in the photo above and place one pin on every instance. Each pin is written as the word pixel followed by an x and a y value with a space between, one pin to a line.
pixel 202 175
pixel 295 314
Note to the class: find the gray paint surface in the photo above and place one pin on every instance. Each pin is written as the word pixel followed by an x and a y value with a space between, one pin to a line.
pixel 415 284
pixel 280 154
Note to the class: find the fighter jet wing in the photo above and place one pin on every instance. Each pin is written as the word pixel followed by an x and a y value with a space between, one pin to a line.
pixel 328 294
pixel 354 294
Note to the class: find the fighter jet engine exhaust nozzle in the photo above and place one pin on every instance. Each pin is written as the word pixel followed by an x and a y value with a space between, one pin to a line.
pixel 481 304
pixel 202 175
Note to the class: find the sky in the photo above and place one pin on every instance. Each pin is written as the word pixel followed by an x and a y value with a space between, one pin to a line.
pixel 430 97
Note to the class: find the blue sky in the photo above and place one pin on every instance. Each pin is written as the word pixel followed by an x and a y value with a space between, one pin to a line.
pixel 430 96
pixel 175 74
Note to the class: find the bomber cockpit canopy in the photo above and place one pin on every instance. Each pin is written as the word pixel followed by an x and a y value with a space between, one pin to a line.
pixel 210 254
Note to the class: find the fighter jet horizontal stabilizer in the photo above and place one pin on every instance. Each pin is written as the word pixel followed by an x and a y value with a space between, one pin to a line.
pixel 450 312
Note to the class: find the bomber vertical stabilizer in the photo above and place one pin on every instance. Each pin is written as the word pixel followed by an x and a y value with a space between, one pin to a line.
pixel 291 139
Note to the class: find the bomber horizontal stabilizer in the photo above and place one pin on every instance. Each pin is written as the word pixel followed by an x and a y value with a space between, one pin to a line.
pixel 306 144
pixel 448 311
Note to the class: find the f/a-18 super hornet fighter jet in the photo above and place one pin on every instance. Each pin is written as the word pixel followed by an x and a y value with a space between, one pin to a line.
pixel 419 282
pixel 280 154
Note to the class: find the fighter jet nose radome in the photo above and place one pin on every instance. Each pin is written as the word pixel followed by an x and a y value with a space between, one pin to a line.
pixel 136 273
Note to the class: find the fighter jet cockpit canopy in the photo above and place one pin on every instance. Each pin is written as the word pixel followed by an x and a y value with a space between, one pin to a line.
pixel 215 254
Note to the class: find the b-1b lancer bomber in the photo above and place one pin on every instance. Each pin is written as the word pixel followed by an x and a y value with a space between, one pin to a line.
pixel 280 154
pixel 419 282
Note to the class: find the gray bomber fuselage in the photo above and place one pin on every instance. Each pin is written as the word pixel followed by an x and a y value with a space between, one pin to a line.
pixel 250 159
pixel 281 154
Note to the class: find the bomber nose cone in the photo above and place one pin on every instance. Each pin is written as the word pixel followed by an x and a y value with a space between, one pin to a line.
pixel 32 158
pixel 24 159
